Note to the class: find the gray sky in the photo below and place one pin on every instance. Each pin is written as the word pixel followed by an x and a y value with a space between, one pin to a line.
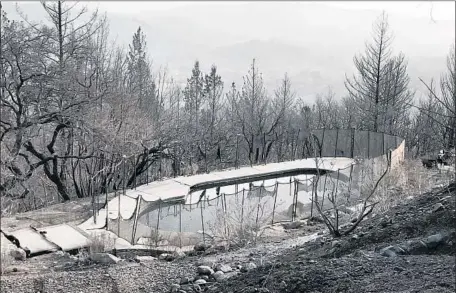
pixel 440 10
pixel 314 42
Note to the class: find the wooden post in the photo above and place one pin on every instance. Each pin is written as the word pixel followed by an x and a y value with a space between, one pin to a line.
pixel 242 208
pixel 158 224
pixel 134 171
pixel 275 201
pixel 180 225
pixel 202 224
pixel 135 222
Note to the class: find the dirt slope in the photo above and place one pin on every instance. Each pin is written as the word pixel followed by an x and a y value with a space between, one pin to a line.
pixel 422 232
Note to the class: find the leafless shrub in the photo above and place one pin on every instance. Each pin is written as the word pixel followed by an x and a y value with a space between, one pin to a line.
pixel 339 195
pixel 241 224
pixel 101 242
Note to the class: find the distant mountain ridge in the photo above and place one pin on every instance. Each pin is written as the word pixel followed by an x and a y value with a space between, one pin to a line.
pixel 313 42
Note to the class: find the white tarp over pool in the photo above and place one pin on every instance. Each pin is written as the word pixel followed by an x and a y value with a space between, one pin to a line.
pixel 178 189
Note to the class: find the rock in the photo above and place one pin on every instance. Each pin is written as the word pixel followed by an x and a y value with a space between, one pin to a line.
pixel 175 288
pixel 200 282
pixel 104 258
pixel 201 247
pixel 186 280
pixel 218 276
pixel 437 207
pixel 292 225
pixel 167 257
pixel 435 240
pixel 392 251
pixel 205 270
pixel 145 259
pixel 335 243
pixel 204 277
pixel 415 247
pixel 18 254
pixel 248 267
pixel 223 268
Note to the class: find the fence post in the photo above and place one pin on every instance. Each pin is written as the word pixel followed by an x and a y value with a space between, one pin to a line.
pixel 275 201
pixel 106 206
pixel 295 196
pixel 118 217
pixel 337 138
pixel 350 180
pixel 257 214
pixel 312 197
pixel 224 214
pixel 135 222
pixel 180 225
pixel 202 224
pixel 147 171
pixel 353 143
pixel 158 223
pixel 242 209
pixel 134 169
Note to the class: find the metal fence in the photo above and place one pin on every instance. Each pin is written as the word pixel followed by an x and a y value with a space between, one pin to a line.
pixel 249 207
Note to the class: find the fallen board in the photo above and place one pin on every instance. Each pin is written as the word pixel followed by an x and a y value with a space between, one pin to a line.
pixel 66 237
pixel 32 241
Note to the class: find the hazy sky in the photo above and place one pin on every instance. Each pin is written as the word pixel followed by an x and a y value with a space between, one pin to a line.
pixel 312 41
pixel 440 10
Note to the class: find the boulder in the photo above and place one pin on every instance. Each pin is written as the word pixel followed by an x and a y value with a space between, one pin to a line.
pixel 435 240
pixel 205 270
pixel 200 282
pixel 218 276
pixel 415 247
pixel 18 254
